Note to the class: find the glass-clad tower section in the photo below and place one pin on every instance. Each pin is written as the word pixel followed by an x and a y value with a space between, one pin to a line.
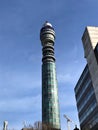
pixel 50 103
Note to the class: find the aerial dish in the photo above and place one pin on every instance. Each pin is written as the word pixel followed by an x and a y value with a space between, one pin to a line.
pixel 47 24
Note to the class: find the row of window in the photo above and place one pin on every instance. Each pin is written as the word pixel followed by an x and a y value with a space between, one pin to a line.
pixel 48 52
pixel 94 120
pixel 87 83
pixel 45 70
pixel 50 115
pixel 47 117
pixel 49 106
pixel 53 121
pixel 49 97
pixel 48 48
pixel 49 72
pixel 49 87
pixel 86 80
pixel 81 80
pixel 88 111
pixel 49 94
pixel 48 65
pixel 49 91
pixel 52 105
pixel 86 99
pixel 53 99
pixel 49 84
pixel 49 76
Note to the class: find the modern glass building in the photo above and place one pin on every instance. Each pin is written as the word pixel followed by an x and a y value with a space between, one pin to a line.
pixel 50 103
pixel 86 89
pixel 86 102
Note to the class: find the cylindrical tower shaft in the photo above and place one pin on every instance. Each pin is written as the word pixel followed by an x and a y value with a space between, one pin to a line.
pixel 50 103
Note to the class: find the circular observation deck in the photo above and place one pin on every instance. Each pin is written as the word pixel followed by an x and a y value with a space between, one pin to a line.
pixel 47 34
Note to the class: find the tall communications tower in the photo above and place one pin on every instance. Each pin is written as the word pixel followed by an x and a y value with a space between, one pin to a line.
pixel 50 103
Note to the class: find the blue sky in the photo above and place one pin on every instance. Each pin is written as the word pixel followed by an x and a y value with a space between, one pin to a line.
pixel 20 55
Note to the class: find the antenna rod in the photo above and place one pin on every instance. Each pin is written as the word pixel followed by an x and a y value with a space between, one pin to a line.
pixel 5 125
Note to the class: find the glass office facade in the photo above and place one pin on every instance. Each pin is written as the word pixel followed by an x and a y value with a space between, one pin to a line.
pixel 86 101
pixel 86 90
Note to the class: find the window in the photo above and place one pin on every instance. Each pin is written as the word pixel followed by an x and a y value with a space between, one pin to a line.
pixel 86 99
pixel 88 111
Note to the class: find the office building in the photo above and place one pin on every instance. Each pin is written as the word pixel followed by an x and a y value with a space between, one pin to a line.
pixel 86 89
pixel 50 103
